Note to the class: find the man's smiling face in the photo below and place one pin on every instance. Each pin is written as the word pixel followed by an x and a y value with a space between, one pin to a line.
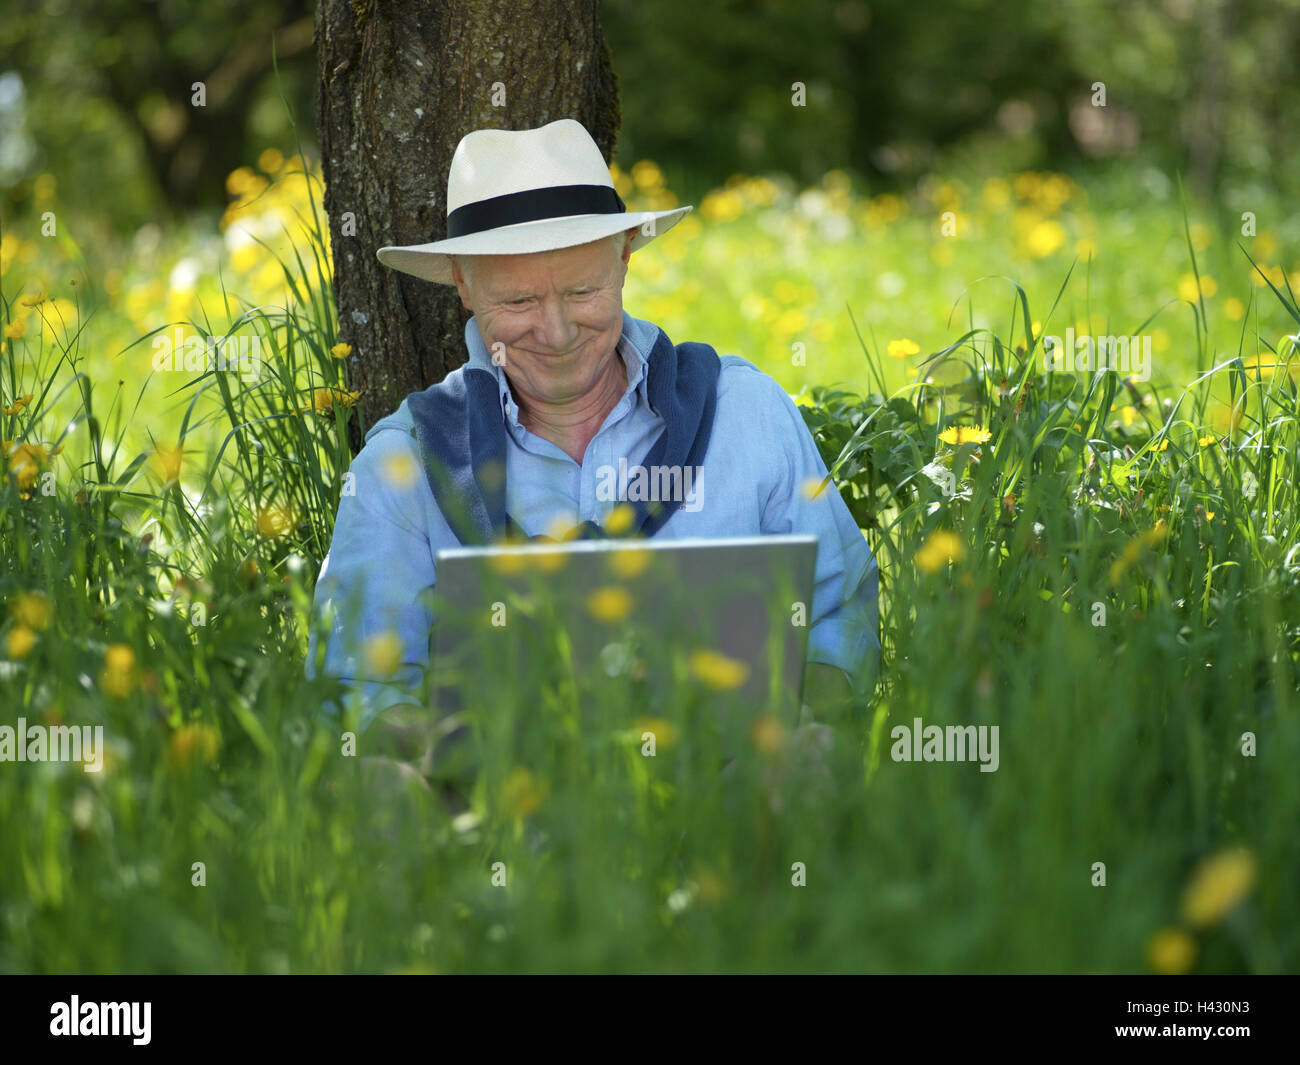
pixel 558 314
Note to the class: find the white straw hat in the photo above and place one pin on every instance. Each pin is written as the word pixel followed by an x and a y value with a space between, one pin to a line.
pixel 510 192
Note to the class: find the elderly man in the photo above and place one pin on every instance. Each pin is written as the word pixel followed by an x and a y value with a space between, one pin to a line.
pixel 561 386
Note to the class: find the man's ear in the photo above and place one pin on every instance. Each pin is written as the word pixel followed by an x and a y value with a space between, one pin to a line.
pixel 462 286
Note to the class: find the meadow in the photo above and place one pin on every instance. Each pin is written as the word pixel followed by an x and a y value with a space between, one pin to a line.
pixel 1103 566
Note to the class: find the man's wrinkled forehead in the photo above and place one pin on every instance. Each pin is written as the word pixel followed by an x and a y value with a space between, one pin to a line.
pixel 563 268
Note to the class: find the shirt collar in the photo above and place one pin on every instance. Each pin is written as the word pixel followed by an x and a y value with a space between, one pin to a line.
pixel 634 346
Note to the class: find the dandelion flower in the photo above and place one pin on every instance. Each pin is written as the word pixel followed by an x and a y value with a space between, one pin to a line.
pixel 665 732
pixel 718 671
pixel 118 676
pixel 400 470
pixel 939 549
pixel 768 734
pixel 19 642
pixel 26 461
pixel 275 521
pixel 166 464
pixel 813 487
pixel 33 609
pixel 1045 237
pixel 629 563
pixel 1171 951
pixel 620 519
pixel 325 400
pixel 1219 884
pixel 383 654
pixel 521 794
pixel 611 603
pixel 965 434
pixel 191 745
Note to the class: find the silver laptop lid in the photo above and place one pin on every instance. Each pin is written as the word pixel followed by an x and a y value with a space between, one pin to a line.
pixel 623 611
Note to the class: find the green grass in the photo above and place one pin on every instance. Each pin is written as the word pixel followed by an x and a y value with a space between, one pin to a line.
pixel 1121 742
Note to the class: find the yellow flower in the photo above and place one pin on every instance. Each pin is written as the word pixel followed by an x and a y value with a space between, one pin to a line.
pixel 341 350
pixel 768 734
pixel 118 676
pixel 1133 549
pixel 722 205
pixel 1171 951
pixel 1156 533
pixel 1219 883
pixel 939 549
pixel 508 562
pixel 1164 445
pixel 965 435
pixel 996 193
pixel 1128 414
pixel 33 301
pixel 1045 237
pixel 192 744
pixel 665 732
pixel 1187 289
pixel 813 487
pixel 1207 440
pixel 19 642
pixel 33 609
pixel 717 670
pixel 324 400
pixel 629 562
pixel 383 654
pixel 901 349
pixel 521 794
pixel 166 463
pixel 561 529
pixel 276 521
pixel 400 470
pixel 14 330
pixel 20 403
pixel 610 603
pixel 1233 309
pixel 26 460
pixel 647 175
pixel 1262 275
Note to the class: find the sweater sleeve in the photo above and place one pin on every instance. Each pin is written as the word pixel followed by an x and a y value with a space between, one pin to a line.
pixel 371 600
pixel 844 616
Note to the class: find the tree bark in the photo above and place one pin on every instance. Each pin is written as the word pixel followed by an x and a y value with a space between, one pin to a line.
pixel 401 83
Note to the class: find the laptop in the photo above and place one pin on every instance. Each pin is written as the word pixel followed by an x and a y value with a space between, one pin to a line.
pixel 573 619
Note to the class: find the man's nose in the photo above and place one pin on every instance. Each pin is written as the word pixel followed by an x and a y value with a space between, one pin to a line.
pixel 556 329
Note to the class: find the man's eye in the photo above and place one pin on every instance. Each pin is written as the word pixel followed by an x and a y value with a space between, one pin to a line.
pixel 518 302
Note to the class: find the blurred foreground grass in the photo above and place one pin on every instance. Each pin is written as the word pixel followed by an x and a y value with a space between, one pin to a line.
pixel 1107 569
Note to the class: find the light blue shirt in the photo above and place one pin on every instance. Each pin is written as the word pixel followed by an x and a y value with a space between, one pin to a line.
pixel 759 460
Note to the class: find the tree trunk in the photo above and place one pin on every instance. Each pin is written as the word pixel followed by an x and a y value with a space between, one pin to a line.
pixel 400 84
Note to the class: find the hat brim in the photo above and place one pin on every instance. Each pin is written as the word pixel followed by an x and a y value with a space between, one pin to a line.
pixel 430 262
